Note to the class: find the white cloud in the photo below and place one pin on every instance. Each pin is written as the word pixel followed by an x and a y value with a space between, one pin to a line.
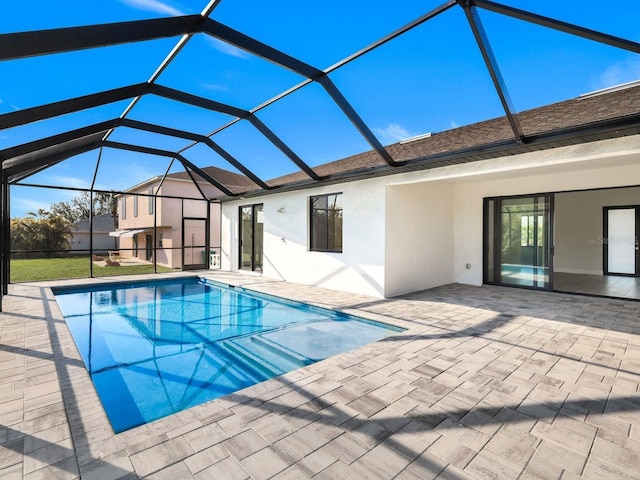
pixel 153 6
pixel 625 71
pixel 215 86
pixel 136 173
pixel 21 205
pixel 392 133
pixel 454 124
pixel 227 49
pixel 73 182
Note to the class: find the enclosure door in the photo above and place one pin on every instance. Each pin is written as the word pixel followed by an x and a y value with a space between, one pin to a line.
pixel 621 241
pixel 194 243
pixel 251 238
pixel 148 246
pixel 518 248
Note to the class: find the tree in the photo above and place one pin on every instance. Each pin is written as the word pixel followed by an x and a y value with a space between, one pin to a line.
pixel 41 231
pixel 79 207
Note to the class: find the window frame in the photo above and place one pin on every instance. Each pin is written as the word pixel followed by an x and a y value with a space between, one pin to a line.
pixel 152 201
pixel 123 207
pixel 135 205
pixel 327 249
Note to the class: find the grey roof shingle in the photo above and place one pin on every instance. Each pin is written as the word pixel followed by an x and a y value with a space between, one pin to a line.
pixel 557 116
pixel 235 182
pixel 101 224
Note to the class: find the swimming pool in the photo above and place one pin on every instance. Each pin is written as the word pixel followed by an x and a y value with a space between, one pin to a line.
pixel 156 348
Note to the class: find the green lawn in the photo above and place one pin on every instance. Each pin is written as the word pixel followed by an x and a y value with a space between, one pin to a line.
pixel 33 270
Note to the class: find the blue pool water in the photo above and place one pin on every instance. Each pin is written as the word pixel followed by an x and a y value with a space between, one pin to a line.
pixel 156 348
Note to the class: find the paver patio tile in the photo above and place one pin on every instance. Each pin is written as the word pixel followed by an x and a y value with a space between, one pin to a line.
pixel 66 469
pixel 539 468
pixel 264 464
pixel 13 472
pixel 368 405
pixel 454 473
pixel 598 469
pixel 206 436
pixel 291 473
pixel 11 453
pixel 463 434
pixel 367 431
pixel 51 436
pixel 481 421
pixel 487 465
pixel 566 437
pixel 232 425
pixel 229 469
pixel 316 461
pixel 623 458
pixel 554 454
pixel 425 467
pixel 412 440
pixel 111 467
pixel 452 451
pixel 159 456
pixel 244 444
pixel 513 444
pixel 380 462
pixel 174 472
pixel 204 458
pixel 346 448
pixel 339 470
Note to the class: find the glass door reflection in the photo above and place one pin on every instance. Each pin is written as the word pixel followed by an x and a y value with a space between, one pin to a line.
pixel 518 232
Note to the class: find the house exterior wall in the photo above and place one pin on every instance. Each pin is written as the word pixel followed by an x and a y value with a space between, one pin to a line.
pixel 419 237
pixel 360 266
pixel 101 241
pixel 387 219
pixel 168 220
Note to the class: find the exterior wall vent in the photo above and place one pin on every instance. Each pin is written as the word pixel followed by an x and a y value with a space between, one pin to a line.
pixel 417 137
pixel 614 88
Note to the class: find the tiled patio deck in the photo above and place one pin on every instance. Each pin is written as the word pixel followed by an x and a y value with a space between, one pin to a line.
pixel 486 383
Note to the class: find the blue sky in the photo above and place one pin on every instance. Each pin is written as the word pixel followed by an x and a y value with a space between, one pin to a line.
pixel 428 80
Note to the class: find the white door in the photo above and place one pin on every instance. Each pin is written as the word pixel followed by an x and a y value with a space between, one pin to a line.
pixel 621 241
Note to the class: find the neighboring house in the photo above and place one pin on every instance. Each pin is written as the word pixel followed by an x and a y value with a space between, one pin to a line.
pixel 102 241
pixel 177 243
pixel 470 206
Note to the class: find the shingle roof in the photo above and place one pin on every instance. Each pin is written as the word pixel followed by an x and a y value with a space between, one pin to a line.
pixel 563 115
pixel 235 182
pixel 101 223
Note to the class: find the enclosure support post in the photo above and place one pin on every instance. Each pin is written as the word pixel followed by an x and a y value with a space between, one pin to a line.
pixel 5 240
pixel 2 235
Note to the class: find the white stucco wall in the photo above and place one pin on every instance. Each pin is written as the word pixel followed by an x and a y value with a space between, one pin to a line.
pixel 379 260
pixel 101 241
pixel 358 269
pixel 579 227
pixel 419 237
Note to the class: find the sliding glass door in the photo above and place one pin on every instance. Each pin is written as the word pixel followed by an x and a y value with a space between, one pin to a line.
pixel 251 237
pixel 518 235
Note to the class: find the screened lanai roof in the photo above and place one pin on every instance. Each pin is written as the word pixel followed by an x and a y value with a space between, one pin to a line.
pixel 297 93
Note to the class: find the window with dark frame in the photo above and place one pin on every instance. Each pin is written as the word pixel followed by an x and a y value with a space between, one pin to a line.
pixel 123 213
pixel 135 205
pixel 326 223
